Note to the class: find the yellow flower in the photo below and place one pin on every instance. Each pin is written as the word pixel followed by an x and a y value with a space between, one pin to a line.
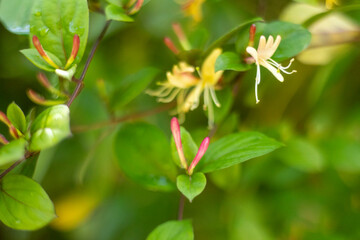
pixel 193 8
pixel 209 79
pixel 330 3
pixel 262 56
pixel 178 82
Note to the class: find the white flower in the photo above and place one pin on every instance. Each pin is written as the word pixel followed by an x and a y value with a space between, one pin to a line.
pixel 262 56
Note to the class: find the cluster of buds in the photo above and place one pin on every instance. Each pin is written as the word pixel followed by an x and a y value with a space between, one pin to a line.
pixel 62 72
pixel 175 129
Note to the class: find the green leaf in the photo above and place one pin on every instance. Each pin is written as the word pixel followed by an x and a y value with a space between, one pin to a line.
pixel 16 117
pixel 117 13
pixel 174 230
pixel 50 127
pixel 12 152
pixel 294 38
pixel 15 15
pixel 33 56
pixel 55 22
pixel 302 154
pixel 231 61
pixel 24 205
pixel 191 186
pixel 143 153
pixel 189 147
pixel 132 86
pixel 236 148
pixel 222 40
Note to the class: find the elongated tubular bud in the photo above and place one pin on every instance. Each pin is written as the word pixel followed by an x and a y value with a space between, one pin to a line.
pixel 181 36
pixel 38 99
pixel 74 51
pixel 137 7
pixel 12 129
pixel 171 45
pixel 42 53
pixel 202 149
pixel 4 119
pixel 252 35
pixel 3 140
pixel 43 80
pixel 175 129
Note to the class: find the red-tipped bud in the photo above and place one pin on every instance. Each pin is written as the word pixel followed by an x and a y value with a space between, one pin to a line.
pixel 38 99
pixel 4 119
pixel 3 140
pixel 42 53
pixel 175 129
pixel 181 36
pixel 252 35
pixel 13 132
pixel 12 129
pixel 137 7
pixel 171 45
pixel 202 149
pixel 43 80
pixel 74 51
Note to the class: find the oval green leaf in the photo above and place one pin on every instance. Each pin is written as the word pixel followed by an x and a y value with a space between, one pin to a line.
pixel 174 230
pixel 231 61
pixel 191 186
pixel 143 153
pixel 24 204
pixel 34 57
pixel 16 117
pixel 55 22
pixel 15 15
pixel 50 127
pixel 117 13
pixel 236 148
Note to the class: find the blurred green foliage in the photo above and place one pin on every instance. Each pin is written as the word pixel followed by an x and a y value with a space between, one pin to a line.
pixel 310 189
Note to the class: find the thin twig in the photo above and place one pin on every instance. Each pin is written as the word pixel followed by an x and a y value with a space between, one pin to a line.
pixel 80 82
pixel 181 207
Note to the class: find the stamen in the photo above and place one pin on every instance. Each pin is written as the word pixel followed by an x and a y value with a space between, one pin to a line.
pixel 171 97
pixel 214 98
pixel 257 82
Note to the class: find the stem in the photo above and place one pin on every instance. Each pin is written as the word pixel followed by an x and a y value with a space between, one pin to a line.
pixel 129 117
pixel 11 168
pixel 181 207
pixel 80 82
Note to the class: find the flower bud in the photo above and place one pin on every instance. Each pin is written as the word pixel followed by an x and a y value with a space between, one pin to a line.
pixel 202 149
pixel 175 129
pixel 42 53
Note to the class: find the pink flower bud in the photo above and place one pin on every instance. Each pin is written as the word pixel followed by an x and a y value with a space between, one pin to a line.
pixel 202 149
pixel 175 129
pixel 252 35
pixel 169 43
pixel 3 140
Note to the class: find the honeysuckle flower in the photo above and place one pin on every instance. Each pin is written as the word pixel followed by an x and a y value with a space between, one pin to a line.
pixel 262 56
pixel 175 129
pixel 178 82
pixel 209 79
pixel 193 8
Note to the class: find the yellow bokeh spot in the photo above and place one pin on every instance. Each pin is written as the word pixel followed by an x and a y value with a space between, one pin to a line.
pixel 73 209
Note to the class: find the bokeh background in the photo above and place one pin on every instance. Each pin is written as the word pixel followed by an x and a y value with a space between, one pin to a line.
pixel 309 189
